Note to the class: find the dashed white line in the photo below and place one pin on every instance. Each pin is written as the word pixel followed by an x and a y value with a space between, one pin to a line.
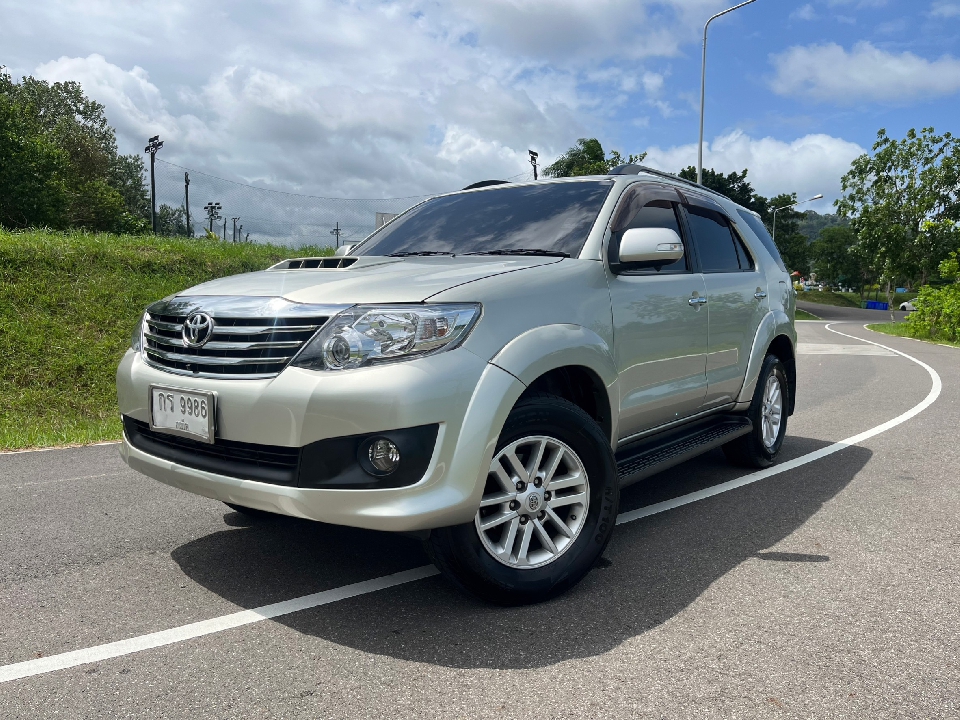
pixel 246 617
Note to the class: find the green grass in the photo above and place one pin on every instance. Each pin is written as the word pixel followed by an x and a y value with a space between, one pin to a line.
pixel 903 330
pixel 68 305
pixel 804 315
pixel 827 298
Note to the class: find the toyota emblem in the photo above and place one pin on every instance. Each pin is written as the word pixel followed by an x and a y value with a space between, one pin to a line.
pixel 197 329
pixel 533 502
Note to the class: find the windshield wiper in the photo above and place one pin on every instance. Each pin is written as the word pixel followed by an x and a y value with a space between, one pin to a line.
pixel 521 251
pixel 410 253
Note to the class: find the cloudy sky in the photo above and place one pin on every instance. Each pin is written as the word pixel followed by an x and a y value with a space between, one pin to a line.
pixel 364 98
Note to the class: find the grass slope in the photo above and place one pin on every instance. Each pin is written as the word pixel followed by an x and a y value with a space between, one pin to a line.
pixel 68 305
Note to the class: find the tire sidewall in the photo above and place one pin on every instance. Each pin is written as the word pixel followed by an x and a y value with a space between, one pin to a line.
pixel 565 422
pixel 771 366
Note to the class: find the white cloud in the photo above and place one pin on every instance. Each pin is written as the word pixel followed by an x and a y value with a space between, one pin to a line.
pixel 945 9
pixel 809 165
pixel 866 73
pixel 804 12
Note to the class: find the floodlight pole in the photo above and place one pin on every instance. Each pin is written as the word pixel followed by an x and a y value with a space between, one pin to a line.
pixel 235 228
pixel 336 233
pixel 703 85
pixel 776 210
pixel 533 161
pixel 153 146
pixel 186 200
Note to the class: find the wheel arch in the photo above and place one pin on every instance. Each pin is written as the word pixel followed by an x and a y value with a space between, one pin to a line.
pixel 570 361
pixel 777 335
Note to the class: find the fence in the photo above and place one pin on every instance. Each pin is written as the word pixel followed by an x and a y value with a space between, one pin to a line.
pixel 263 215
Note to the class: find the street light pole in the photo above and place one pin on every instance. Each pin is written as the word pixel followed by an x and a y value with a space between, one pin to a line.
pixel 703 85
pixel 153 146
pixel 776 210
pixel 533 161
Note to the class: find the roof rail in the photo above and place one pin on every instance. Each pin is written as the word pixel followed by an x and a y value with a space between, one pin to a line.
pixel 637 169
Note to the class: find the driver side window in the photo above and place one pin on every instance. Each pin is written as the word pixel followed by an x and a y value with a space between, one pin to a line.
pixel 659 214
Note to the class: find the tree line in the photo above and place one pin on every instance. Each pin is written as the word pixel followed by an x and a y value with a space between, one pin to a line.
pixel 896 222
pixel 60 167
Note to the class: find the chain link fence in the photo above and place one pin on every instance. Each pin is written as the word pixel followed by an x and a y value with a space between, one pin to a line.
pixel 263 215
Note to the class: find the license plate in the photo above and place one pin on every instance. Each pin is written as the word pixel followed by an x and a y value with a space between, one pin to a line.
pixel 183 412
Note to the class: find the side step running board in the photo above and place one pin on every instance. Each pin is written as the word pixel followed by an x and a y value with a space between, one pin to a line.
pixel 659 452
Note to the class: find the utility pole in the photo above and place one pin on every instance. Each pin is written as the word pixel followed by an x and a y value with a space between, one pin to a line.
pixel 224 229
pixel 153 146
pixel 213 213
pixel 186 200
pixel 703 85
pixel 336 233
pixel 247 238
pixel 533 161
pixel 235 228
pixel 240 234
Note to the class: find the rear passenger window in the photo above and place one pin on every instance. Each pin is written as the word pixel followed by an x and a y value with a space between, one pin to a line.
pixel 715 242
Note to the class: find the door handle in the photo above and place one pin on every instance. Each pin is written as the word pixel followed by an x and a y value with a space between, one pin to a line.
pixel 694 301
pixel 760 295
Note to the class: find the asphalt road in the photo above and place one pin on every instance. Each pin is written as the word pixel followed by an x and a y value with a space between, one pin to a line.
pixel 848 314
pixel 829 590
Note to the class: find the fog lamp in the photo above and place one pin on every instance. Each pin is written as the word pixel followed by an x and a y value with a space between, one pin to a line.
pixel 384 455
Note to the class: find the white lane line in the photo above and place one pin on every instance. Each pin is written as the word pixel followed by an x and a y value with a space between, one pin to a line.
pixel 834 349
pixel 676 502
pixel 59 480
pixel 207 627
pixel 246 617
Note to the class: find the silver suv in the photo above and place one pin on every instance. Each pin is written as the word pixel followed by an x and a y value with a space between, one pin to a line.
pixel 487 370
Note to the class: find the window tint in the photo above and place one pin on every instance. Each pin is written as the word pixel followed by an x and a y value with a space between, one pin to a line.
pixel 714 241
pixel 746 259
pixel 761 232
pixel 660 214
pixel 554 217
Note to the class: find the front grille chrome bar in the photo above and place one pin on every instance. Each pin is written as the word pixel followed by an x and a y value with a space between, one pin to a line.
pixel 215 360
pixel 252 337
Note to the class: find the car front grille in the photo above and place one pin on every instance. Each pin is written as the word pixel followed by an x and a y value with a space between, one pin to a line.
pixel 240 347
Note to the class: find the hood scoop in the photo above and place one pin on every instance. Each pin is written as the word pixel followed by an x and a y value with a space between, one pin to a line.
pixel 320 263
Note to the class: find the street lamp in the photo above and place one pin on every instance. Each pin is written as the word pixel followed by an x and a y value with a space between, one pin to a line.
pixel 703 84
pixel 213 212
pixel 776 210
pixel 153 147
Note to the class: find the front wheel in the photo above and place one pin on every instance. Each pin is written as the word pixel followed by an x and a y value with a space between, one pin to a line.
pixel 547 511
pixel 768 413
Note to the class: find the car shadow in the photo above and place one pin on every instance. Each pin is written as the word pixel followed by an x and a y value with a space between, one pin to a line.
pixel 652 570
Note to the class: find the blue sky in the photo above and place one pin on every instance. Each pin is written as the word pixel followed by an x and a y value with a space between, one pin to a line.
pixel 382 98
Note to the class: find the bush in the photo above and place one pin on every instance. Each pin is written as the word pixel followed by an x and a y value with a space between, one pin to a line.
pixel 937 315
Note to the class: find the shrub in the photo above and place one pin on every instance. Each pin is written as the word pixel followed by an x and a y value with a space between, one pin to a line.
pixel 937 315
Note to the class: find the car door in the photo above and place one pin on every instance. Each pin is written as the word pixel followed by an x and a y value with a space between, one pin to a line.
pixel 660 324
pixel 736 294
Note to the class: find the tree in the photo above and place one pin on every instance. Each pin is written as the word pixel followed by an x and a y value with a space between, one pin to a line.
pixel 836 260
pixel 171 220
pixel 792 244
pixel 902 202
pixel 733 185
pixel 587 158
pixel 60 163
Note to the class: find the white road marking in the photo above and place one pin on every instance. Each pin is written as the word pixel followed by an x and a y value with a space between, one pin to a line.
pixel 97 653
pixel 59 480
pixel 828 349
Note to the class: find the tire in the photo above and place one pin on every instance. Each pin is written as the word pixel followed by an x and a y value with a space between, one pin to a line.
pixel 502 571
pixel 252 513
pixel 751 450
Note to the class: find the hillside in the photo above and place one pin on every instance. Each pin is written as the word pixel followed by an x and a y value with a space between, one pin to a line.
pixel 68 305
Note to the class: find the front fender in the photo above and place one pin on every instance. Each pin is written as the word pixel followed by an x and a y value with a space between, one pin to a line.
pixel 774 323
pixel 549 347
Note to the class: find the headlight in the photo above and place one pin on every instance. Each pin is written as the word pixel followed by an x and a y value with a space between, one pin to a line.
pixel 136 338
pixel 372 334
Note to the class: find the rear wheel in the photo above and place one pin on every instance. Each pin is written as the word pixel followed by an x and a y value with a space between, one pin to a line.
pixel 768 412
pixel 547 511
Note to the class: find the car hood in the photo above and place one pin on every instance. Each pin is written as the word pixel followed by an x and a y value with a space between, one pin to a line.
pixel 369 280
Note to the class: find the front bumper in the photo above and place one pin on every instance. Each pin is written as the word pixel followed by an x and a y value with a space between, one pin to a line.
pixel 465 396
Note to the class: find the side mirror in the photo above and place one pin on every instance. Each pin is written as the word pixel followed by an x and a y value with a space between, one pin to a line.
pixel 344 250
pixel 650 246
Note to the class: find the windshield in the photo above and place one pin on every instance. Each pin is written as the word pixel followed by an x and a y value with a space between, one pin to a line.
pixel 553 218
